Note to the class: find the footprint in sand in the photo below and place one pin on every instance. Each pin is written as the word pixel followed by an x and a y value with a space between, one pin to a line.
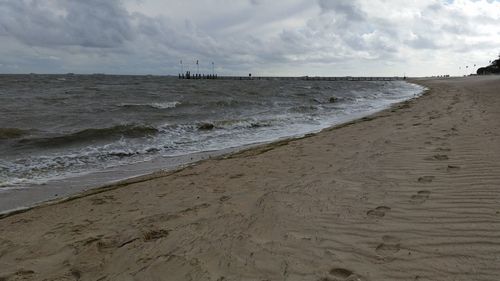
pixel 195 208
pixel 154 235
pixel 342 274
pixel 426 179
pixel 452 168
pixel 236 176
pixel 388 248
pixel 420 197
pixel 390 239
pixel 25 272
pixel 21 274
pixel 438 157
pixel 77 274
pixel 378 212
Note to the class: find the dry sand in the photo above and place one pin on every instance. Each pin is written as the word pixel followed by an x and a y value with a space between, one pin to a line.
pixel 411 193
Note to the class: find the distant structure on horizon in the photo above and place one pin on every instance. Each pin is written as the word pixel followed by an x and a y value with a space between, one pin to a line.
pixel 493 68
pixel 197 75
pixel 188 75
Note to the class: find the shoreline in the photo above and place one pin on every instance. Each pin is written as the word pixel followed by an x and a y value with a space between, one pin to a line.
pixel 409 193
pixel 169 167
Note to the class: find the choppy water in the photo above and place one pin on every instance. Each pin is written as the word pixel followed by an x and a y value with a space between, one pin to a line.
pixel 58 126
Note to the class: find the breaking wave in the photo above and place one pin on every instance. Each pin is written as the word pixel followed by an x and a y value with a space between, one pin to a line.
pixel 89 135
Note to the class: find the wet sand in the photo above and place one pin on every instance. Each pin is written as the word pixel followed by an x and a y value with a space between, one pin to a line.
pixel 410 193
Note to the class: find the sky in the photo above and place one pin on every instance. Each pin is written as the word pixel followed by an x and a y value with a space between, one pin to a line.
pixel 262 37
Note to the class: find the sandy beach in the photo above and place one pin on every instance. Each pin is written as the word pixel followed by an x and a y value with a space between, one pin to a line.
pixel 410 193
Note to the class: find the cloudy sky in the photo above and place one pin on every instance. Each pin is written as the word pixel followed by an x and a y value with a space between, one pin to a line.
pixel 264 37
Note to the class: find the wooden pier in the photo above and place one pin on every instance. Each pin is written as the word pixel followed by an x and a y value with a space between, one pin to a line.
pixel 306 78
pixel 313 78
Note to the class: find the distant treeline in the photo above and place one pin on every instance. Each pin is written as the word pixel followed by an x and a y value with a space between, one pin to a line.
pixel 493 68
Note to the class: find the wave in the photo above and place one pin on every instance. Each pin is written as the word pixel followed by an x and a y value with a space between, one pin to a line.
pixel 94 134
pixel 156 105
pixel 230 103
pixel 232 124
pixel 39 169
pixel 303 109
pixel 241 124
pixel 215 125
pixel 12 133
pixel 165 105
pixel 227 103
pixel 203 119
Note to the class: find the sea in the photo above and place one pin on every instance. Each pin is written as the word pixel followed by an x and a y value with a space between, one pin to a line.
pixel 54 128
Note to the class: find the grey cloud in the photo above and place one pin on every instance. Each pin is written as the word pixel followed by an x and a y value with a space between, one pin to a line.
pixel 90 23
pixel 341 32
pixel 101 35
pixel 106 24
pixel 422 42
pixel 347 8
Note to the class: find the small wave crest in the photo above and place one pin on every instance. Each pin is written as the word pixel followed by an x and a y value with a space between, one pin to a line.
pixel 12 133
pixel 94 134
pixel 156 105
pixel 303 109
pixel 228 125
pixel 242 124
pixel 39 169
pixel 165 105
